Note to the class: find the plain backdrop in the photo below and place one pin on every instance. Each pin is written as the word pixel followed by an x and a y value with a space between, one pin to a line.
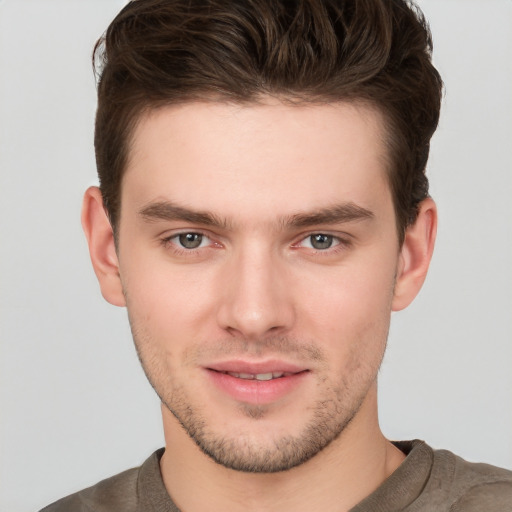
pixel 75 406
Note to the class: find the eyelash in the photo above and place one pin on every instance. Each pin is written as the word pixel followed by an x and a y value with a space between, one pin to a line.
pixel 182 251
pixel 342 244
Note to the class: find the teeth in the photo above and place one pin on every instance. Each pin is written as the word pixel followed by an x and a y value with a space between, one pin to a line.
pixel 247 376
pixel 259 376
pixel 263 376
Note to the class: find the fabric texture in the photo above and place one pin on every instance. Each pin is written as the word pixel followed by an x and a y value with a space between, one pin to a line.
pixel 427 481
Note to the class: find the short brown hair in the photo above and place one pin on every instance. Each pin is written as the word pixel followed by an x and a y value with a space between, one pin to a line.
pixel 164 52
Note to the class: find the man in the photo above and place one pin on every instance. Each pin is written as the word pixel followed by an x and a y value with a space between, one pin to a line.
pixel 262 210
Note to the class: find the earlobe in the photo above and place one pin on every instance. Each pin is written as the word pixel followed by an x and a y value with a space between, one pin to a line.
pixel 102 250
pixel 415 255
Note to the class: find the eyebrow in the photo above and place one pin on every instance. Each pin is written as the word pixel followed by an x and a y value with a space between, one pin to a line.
pixel 165 210
pixel 336 214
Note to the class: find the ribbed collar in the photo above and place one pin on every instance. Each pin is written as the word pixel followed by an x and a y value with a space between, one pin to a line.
pixel 397 492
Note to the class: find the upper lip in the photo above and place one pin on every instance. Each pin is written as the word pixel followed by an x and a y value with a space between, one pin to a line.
pixel 255 367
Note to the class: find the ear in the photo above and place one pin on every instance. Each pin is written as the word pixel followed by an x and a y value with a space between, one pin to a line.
pixel 415 255
pixel 100 238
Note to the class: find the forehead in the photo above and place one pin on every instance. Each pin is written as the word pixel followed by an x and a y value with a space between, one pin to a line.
pixel 268 157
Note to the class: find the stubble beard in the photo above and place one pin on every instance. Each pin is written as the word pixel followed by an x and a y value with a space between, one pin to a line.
pixel 329 420
pixel 329 415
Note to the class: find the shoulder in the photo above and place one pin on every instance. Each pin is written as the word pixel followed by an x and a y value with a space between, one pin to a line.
pixel 474 486
pixel 135 490
pixel 117 493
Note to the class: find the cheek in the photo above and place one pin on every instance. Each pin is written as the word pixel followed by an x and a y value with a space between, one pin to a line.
pixel 349 307
pixel 166 301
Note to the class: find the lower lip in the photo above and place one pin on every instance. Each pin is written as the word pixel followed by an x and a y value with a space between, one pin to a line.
pixel 256 391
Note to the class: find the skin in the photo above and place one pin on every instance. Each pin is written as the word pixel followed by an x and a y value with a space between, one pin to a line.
pixel 254 185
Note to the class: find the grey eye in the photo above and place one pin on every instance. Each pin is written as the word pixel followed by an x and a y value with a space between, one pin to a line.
pixel 190 240
pixel 321 241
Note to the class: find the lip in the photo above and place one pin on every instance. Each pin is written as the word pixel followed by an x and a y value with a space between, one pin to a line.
pixel 255 367
pixel 257 392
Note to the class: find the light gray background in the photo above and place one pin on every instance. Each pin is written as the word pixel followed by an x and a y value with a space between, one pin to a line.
pixel 74 404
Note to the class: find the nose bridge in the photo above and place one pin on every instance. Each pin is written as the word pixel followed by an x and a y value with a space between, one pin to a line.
pixel 255 300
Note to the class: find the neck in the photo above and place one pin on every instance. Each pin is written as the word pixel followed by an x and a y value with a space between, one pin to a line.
pixel 336 479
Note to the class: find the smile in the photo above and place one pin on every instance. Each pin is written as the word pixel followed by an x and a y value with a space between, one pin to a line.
pixel 257 385
pixel 259 376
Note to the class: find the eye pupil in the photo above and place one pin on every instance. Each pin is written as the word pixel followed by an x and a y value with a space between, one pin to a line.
pixel 191 240
pixel 321 241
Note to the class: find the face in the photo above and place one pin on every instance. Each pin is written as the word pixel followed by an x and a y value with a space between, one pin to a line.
pixel 258 254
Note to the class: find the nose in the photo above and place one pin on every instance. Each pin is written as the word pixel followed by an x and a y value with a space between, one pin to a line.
pixel 255 299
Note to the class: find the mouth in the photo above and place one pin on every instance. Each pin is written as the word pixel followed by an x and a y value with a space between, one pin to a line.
pixel 257 383
pixel 259 376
